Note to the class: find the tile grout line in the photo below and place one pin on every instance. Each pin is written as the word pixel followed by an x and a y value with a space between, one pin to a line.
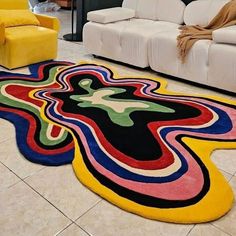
pixel 72 221
pixel 62 230
pixel 231 179
pixel 11 172
pixel 19 179
pixel 22 180
pixel 9 169
pixel 215 226
pixel 88 211
pixel 224 171
pixel 36 172
pixel 84 214
pixel 48 201
pixel 83 230
pixel 7 139
pixel 191 230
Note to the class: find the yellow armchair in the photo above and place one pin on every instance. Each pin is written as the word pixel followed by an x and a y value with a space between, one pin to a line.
pixel 48 22
pixel 22 45
pixel 2 34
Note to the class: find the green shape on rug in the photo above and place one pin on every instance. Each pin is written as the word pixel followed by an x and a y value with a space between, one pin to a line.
pixel 118 110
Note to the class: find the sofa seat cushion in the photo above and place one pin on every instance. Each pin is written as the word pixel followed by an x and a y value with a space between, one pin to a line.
pixel 163 57
pixel 124 41
pixel 225 35
pixel 41 45
pixel 222 66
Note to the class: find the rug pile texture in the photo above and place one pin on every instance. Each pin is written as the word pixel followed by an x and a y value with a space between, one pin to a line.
pixel 138 145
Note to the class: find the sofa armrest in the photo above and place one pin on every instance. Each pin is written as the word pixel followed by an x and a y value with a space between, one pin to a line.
pixel 2 33
pixel 110 15
pixel 225 35
pixel 48 22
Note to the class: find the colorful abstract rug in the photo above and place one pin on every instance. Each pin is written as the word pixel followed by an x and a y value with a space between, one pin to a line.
pixel 141 147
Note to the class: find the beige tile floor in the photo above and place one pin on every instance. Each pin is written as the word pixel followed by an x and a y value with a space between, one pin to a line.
pixel 39 200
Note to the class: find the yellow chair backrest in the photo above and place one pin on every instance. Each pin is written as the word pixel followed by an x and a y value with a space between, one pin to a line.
pixel 14 4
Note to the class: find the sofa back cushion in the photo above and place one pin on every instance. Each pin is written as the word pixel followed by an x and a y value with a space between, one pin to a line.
pixel 201 12
pixel 164 10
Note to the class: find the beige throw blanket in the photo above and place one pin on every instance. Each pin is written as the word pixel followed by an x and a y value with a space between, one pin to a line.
pixel 190 34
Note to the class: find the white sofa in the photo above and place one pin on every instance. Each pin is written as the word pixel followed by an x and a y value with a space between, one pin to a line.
pixel 143 33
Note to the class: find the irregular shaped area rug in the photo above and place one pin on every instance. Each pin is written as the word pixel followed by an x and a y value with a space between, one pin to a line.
pixel 141 147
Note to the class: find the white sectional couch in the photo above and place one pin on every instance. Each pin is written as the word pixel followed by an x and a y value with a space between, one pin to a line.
pixel 143 33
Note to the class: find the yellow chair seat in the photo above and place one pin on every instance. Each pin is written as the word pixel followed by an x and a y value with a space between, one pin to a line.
pixel 26 45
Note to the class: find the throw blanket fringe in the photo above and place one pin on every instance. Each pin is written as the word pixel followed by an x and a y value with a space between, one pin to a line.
pixel 190 34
